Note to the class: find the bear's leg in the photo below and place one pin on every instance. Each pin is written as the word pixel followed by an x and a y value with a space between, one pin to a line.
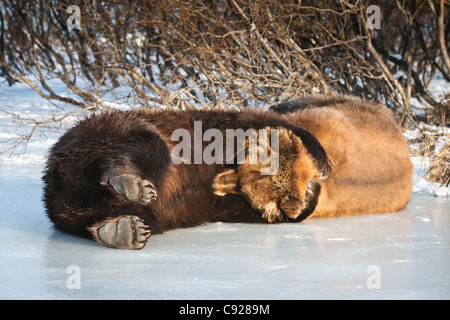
pixel 123 232
pixel 136 189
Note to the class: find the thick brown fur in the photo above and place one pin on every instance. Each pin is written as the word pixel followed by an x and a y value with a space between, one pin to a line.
pixel 78 195
pixel 278 196
pixel 372 171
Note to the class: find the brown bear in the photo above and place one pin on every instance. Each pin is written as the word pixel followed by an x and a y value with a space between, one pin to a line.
pixel 372 171
pixel 112 177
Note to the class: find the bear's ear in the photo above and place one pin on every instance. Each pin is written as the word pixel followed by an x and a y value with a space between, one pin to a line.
pixel 314 149
pixel 226 183
pixel 288 107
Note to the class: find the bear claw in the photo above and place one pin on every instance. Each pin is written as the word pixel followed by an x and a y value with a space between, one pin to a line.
pixel 134 188
pixel 124 232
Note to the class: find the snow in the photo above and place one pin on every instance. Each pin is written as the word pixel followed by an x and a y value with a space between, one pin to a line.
pixel 421 185
pixel 421 164
pixel 401 255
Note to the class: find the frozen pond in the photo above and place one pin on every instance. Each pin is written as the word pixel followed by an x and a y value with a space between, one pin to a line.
pixel 403 255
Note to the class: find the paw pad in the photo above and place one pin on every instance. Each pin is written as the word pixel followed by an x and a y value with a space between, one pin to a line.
pixel 125 232
pixel 134 188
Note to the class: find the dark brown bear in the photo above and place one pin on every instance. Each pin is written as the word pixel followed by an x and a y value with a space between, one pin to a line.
pixel 111 177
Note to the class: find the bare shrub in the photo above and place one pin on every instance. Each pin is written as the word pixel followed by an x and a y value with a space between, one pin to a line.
pixel 182 54
pixel 439 170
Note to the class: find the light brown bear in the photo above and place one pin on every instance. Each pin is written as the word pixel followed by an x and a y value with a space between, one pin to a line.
pixel 372 171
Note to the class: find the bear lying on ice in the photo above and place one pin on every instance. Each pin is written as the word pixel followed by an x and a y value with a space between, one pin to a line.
pixel 113 177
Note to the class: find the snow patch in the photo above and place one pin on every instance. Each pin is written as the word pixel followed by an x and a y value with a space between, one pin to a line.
pixel 420 184
pixel 338 239
pixel 423 219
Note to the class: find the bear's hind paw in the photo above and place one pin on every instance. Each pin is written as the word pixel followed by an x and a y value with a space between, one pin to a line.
pixel 124 232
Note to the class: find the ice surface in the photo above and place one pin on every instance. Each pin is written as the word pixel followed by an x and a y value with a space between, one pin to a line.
pixel 402 255
pixel 333 258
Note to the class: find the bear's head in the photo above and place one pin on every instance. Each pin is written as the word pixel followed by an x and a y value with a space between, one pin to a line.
pixel 289 191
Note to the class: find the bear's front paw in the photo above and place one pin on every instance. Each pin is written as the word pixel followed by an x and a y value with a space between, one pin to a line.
pixel 134 188
pixel 124 232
